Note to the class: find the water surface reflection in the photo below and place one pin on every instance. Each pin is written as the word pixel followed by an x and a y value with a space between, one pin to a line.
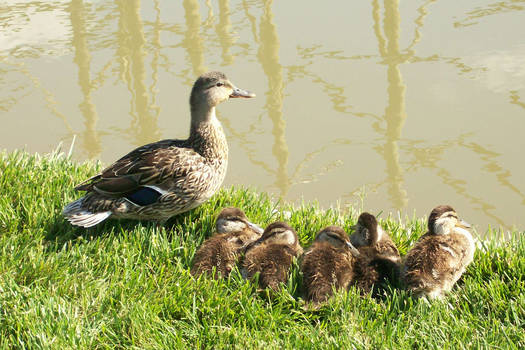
pixel 90 137
pixel 419 104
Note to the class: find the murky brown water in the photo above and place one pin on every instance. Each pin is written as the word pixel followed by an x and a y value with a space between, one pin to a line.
pixel 415 103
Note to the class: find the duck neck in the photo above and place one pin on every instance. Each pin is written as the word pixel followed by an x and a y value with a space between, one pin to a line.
pixel 206 134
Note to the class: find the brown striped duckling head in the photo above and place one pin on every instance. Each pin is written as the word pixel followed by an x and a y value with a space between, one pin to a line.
pixel 234 223
pixel 278 233
pixel 367 231
pixel 212 88
pixel 232 220
pixel 336 237
pixel 444 220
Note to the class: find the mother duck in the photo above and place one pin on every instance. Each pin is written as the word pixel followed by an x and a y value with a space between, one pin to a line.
pixel 168 177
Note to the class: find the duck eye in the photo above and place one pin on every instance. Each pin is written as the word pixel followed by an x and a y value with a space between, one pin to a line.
pixel 220 84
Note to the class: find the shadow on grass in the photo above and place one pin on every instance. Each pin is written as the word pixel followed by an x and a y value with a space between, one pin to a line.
pixel 59 233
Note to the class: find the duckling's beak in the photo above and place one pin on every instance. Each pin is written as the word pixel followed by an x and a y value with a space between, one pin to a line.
pixel 258 229
pixel 236 93
pixel 353 227
pixel 251 244
pixel 352 249
pixel 463 224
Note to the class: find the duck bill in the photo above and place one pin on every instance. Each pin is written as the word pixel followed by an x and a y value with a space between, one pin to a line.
pixel 250 245
pixel 240 93
pixel 352 249
pixel 256 228
pixel 463 224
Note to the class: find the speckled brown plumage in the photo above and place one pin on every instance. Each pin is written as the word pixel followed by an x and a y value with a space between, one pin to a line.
pixel 271 256
pixel 440 256
pixel 373 271
pixel 328 264
pixel 379 260
pixel 221 251
pixel 168 177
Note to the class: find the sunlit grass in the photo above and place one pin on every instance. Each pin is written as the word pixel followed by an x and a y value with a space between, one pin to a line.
pixel 126 284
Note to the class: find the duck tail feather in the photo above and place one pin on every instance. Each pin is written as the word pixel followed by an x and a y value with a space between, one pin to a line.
pixel 78 216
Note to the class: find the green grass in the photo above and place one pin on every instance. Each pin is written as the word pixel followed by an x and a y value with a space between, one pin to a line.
pixel 126 284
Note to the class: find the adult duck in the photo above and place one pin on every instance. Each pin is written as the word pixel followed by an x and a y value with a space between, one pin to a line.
pixel 168 177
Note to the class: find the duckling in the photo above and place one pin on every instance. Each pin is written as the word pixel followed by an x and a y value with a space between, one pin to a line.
pixel 440 256
pixel 271 255
pixel 379 259
pixel 233 232
pixel 165 178
pixel 328 263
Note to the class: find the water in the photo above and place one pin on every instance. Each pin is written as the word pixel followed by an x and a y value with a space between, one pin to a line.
pixel 413 103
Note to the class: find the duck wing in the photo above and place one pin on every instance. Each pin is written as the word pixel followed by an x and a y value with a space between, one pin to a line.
pixel 150 164
pixel 432 259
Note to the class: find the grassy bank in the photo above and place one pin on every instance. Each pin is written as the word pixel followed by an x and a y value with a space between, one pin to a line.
pixel 127 284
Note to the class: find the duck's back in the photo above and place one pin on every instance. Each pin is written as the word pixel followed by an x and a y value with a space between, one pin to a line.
pixel 272 262
pixel 217 253
pixel 377 264
pixel 436 262
pixel 325 267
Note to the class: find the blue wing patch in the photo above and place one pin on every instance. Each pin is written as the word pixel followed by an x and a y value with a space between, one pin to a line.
pixel 144 196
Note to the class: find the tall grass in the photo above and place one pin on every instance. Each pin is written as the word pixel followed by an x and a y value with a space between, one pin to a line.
pixel 126 284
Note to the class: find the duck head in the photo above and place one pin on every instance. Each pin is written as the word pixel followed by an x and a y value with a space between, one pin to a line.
pixel 277 233
pixel 337 237
pixel 232 220
pixel 212 88
pixel 367 231
pixel 443 219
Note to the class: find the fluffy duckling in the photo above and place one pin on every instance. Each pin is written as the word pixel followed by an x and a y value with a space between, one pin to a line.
pixel 379 258
pixel 440 256
pixel 233 232
pixel 271 255
pixel 328 263
pixel 165 178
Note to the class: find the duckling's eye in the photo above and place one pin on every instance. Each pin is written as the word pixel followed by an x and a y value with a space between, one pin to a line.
pixel 333 236
pixel 220 84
